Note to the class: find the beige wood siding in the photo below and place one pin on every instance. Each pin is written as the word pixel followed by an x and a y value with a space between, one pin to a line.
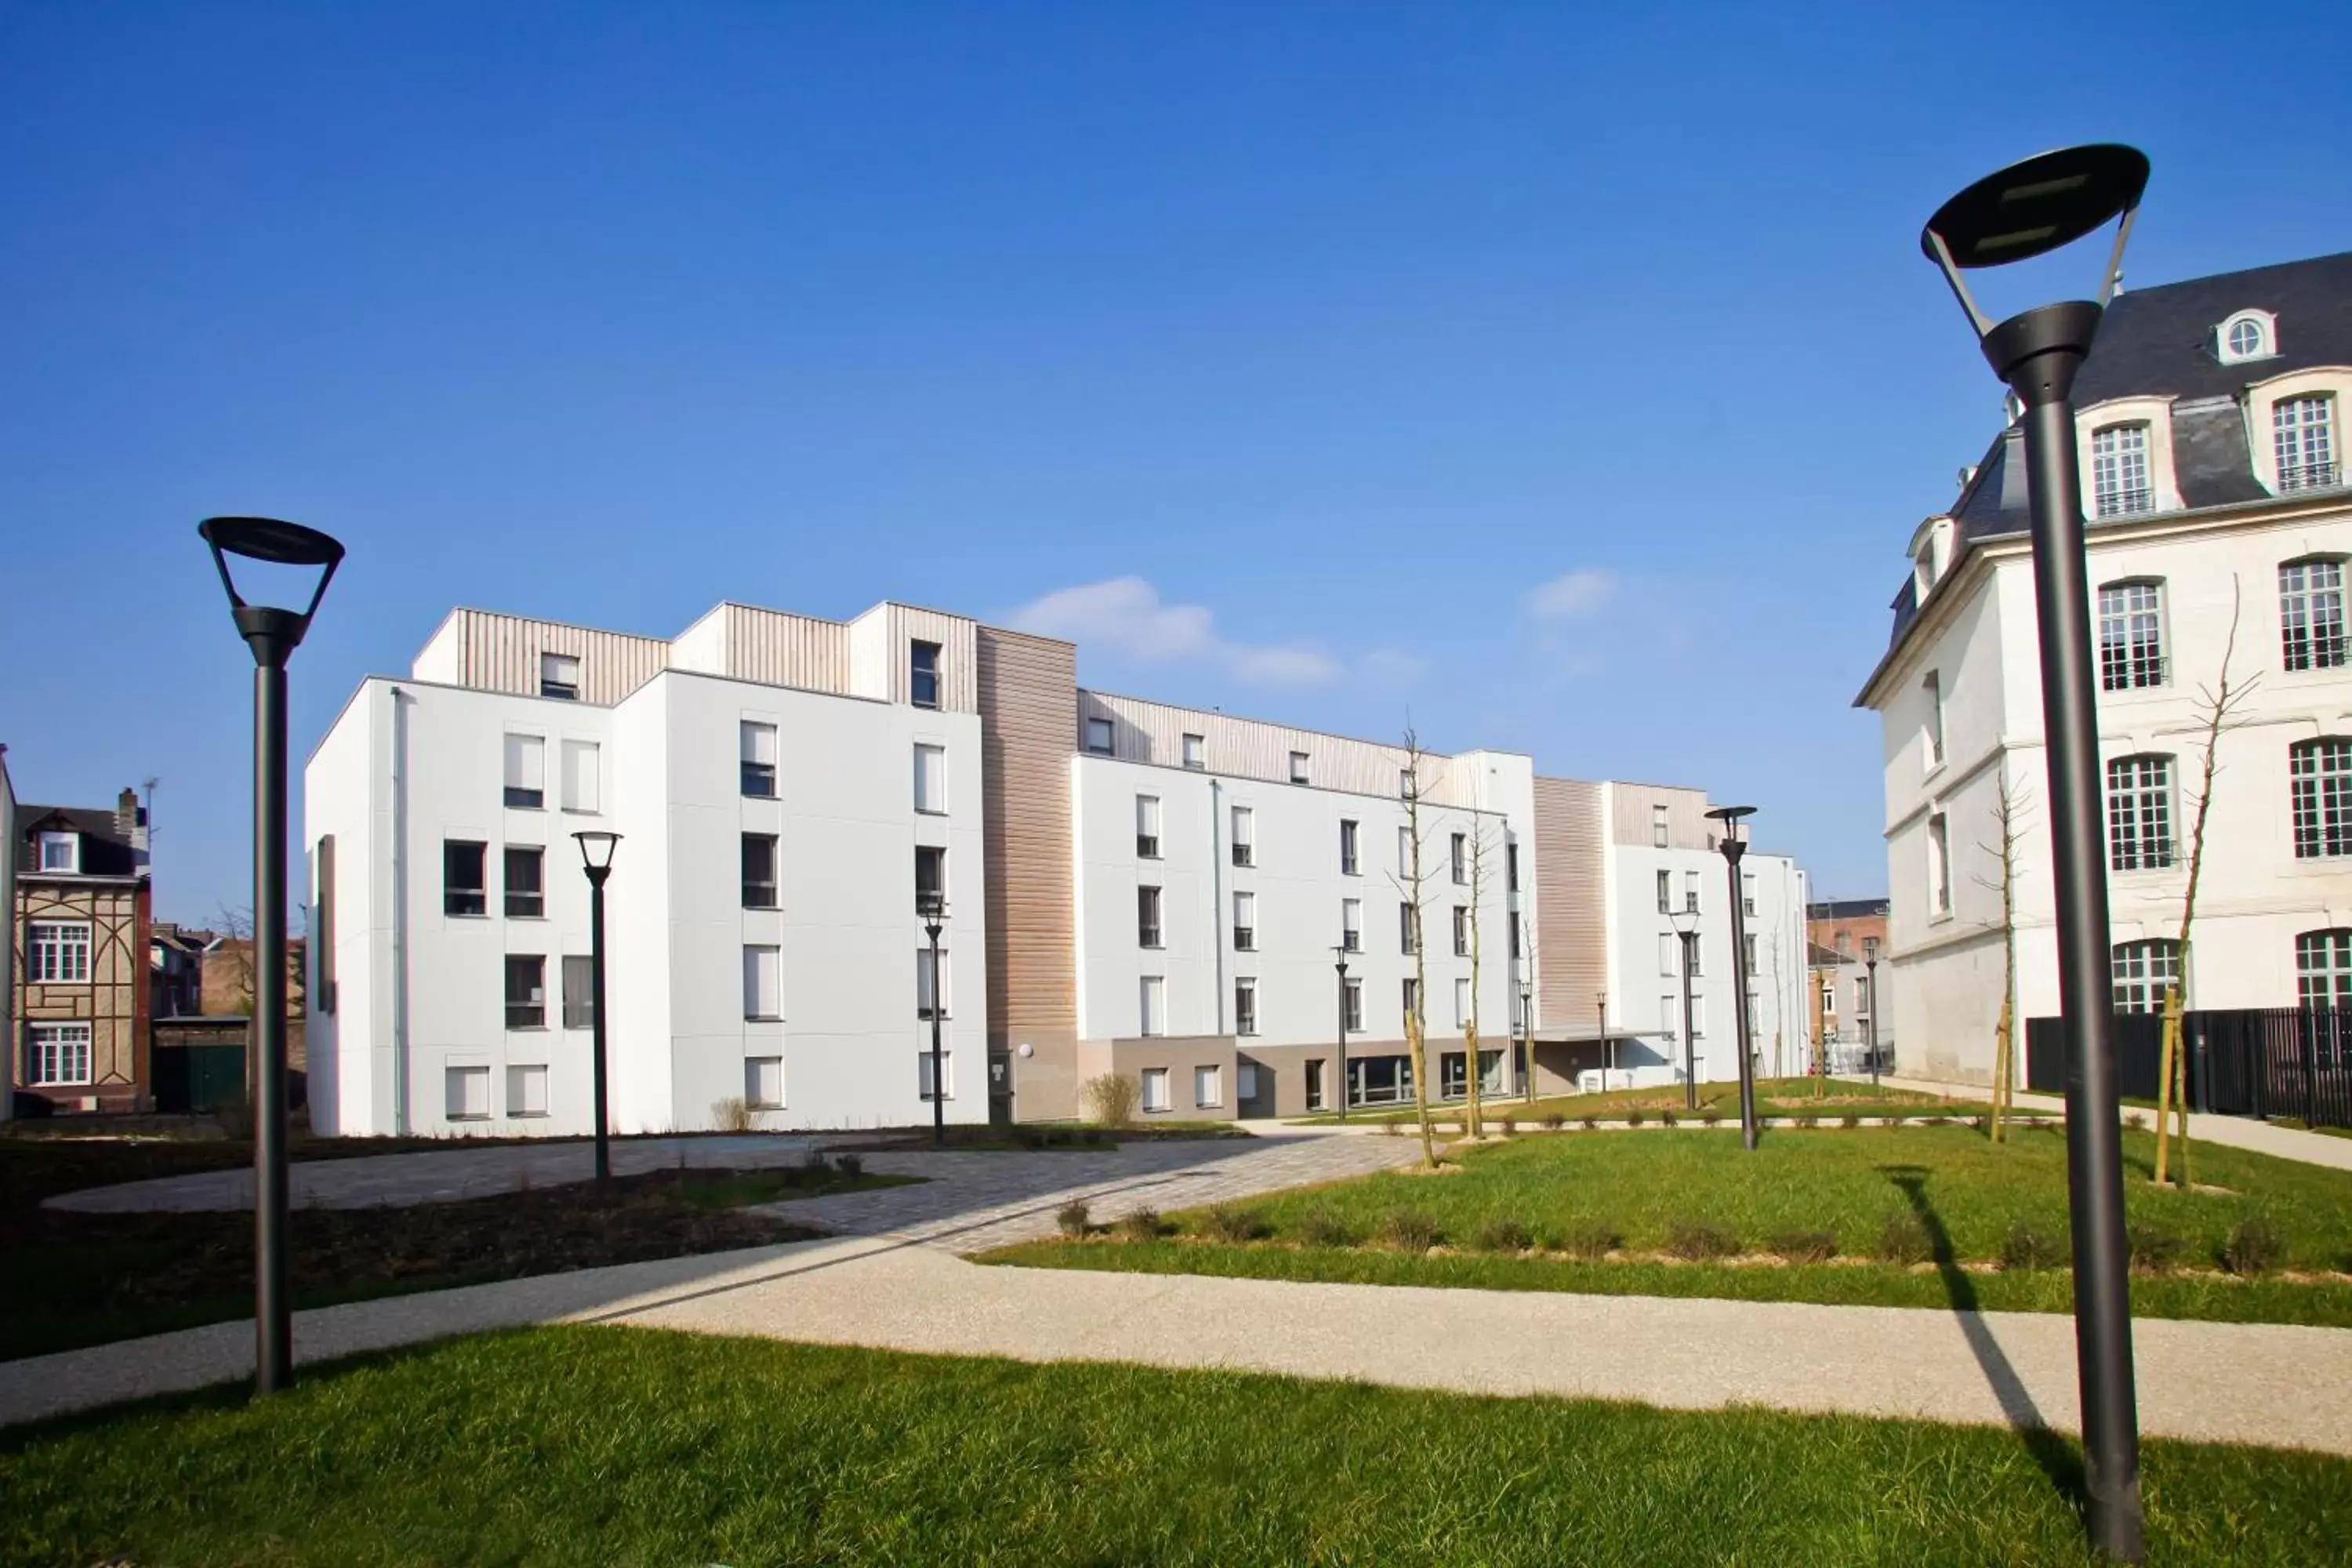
pixel 1686 824
pixel 1572 933
pixel 502 654
pixel 780 649
pixel 1026 693
pixel 1144 731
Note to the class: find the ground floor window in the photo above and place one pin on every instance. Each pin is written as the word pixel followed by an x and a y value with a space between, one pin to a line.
pixel 2142 972
pixel 466 1093
pixel 1315 1085
pixel 1245 1081
pixel 2322 968
pixel 1208 1087
pixel 1450 1074
pixel 56 1054
pixel 923 1089
pixel 526 1091
pixel 1379 1081
pixel 763 1082
pixel 1155 1088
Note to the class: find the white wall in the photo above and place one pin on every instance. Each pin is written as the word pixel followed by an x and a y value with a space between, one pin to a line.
pixel 1640 982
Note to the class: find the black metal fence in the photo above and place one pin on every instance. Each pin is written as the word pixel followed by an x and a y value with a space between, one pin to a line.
pixel 2247 1061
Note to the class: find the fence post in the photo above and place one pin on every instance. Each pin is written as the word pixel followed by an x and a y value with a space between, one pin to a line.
pixel 2309 1034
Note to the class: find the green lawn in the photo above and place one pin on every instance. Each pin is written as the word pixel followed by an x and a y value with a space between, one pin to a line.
pixel 617 1445
pixel 1966 1195
pixel 1774 1096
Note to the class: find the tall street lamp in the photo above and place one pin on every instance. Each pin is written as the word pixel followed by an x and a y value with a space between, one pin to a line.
pixel 1341 949
pixel 1690 937
pixel 597 859
pixel 1527 1041
pixel 1870 986
pixel 933 907
pixel 2027 210
pixel 1733 846
pixel 1607 1047
pixel 272 635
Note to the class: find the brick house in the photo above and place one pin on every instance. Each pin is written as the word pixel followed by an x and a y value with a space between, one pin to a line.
pixel 79 937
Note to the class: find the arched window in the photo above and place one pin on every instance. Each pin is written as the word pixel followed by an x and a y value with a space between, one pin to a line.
pixel 2302 438
pixel 2246 335
pixel 2131 634
pixel 2142 971
pixel 2322 968
pixel 2311 614
pixel 2119 482
pixel 2320 776
pixel 2139 813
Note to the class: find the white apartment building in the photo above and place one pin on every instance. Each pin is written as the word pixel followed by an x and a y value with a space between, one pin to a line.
pixel 2210 416
pixel 1133 887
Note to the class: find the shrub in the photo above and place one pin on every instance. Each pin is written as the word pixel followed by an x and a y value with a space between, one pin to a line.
pixel 1806 1246
pixel 1322 1227
pixel 1392 1128
pixel 1809 1120
pixel 1141 1224
pixel 2026 1248
pixel 813 1161
pixel 1410 1230
pixel 1700 1241
pixel 1589 1123
pixel 1632 1119
pixel 1230 1222
pixel 2254 1247
pixel 2136 1122
pixel 1510 1125
pixel 1503 1235
pixel 1939 1120
pixel 1903 1240
pixel 1666 1119
pixel 1712 1118
pixel 1594 1239
pixel 2156 1251
pixel 1071 1218
pixel 1110 1099
pixel 1849 1119
pixel 849 1165
pixel 732 1114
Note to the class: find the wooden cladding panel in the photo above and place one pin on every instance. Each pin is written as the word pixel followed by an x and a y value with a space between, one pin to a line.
pixel 782 649
pixel 1025 688
pixel 1686 824
pixel 1571 930
pixel 1144 731
pixel 502 654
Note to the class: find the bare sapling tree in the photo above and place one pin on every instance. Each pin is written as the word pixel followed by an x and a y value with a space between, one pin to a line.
pixel 1476 1123
pixel 2220 707
pixel 1526 929
pixel 2008 817
pixel 235 955
pixel 1409 881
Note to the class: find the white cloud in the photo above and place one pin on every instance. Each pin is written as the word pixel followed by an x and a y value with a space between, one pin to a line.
pixel 1124 615
pixel 1573 595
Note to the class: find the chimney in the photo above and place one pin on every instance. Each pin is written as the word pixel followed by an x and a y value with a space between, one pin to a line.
pixel 126 816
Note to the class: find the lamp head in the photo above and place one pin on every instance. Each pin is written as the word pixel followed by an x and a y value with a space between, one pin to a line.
pixel 1870 950
pixel 273 632
pixel 2032 208
pixel 596 849
pixel 932 906
pixel 1732 817
pixel 1340 950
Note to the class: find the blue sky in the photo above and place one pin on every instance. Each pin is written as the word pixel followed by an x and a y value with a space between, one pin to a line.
pixel 1570 382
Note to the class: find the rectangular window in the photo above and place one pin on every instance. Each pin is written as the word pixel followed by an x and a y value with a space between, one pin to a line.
pixel 1099 737
pixel 758 745
pixel 1461 857
pixel 1404 929
pixel 2303 432
pixel 1939 866
pixel 579 992
pixel 1510 868
pixel 1657 827
pixel 923 1075
pixel 322 924
pixel 1748 954
pixel 1748 893
pixel 2320 779
pixel 1147 826
pixel 1352 924
pixel 56 1054
pixel 1244 922
pixel 763 982
pixel 2139 813
pixel 1829 998
pixel 2131 636
pixel 526 1091
pixel 1244 839
pixel 759 870
pixel 1298 767
pixel 558 677
pixel 923 674
pixel 763 1082
pixel 1347 863
pixel 57 953
pixel 931 779
pixel 1153 1011
pixel 526 991
pixel 1844 942
pixel 1666 892
pixel 923 985
pixel 1245 1006
pixel 1461 1003
pixel 1699 1018
pixel 2311 614
pixel 1461 931
pixel 1208 1087
pixel 1698 957
pixel 2322 969
pixel 1146 917
pixel 930 879
pixel 1515 936
pixel 464 878
pixel 2119 486
pixel 1669 947
pixel 526 881
pixel 1155 1088
pixel 1931 687
pixel 1404 851
pixel 1407 786
pixel 466 1093
pixel 61 852
pixel 1244 1081
pixel 2143 972
pixel 1861 996
pixel 1196 753
pixel 1690 893
pixel 1352 1005
pixel 526 759
pixel 1667 1016
pixel 1315 1084
pixel 1411 999
pixel 583 776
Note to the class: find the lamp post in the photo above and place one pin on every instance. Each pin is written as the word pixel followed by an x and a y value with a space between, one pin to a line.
pixel 1527 1041
pixel 1733 846
pixel 1690 968
pixel 934 910
pixel 1341 949
pixel 1870 986
pixel 1608 1046
pixel 272 635
pixel 2027 210
pixel 597 859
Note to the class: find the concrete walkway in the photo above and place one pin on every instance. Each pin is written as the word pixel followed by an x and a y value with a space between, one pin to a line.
pixel 2231 1131
pixel 2232 1383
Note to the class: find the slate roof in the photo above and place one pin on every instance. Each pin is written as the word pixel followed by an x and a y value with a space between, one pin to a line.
pixel 104 852
pixel 2158 343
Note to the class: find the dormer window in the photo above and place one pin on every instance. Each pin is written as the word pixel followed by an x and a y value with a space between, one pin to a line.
pixel 61 852
pixel 558 677
pixel 2119 483
pixel 2249 334
pixel 2304 440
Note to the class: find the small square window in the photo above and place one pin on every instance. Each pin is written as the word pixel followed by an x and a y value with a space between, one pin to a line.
pixel 759 870
pixel 526 992
pixel 558 677
pixel 923 674
pixel 1298 767
pixel 758 745
pixel 61 852
pixel 526 881
pixel 527 1091
pixel 466 1093
pixel 763 1082
pixel 1099 737
pixel 1195 752
pixel 1208 1087
pixel 464 886
pixel 1155 1088
pixel 763 983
